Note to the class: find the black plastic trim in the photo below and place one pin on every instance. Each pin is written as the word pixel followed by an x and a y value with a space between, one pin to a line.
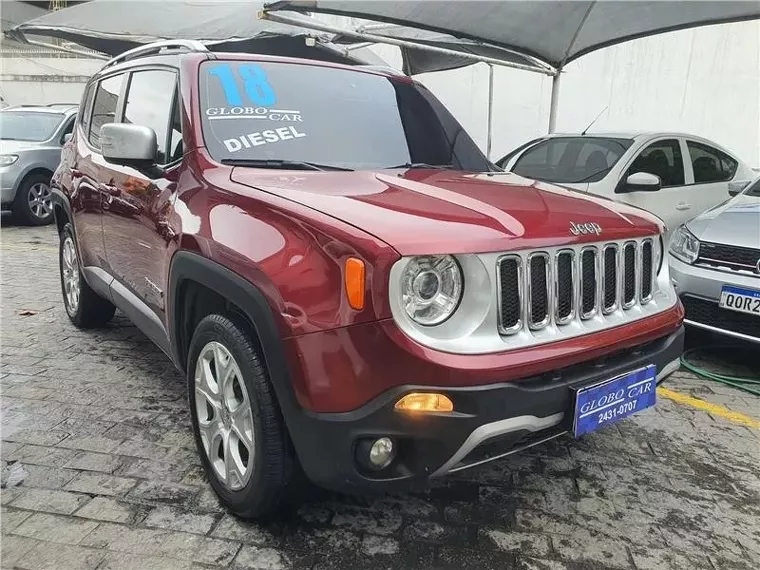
pixel 426 443
pixel 247 297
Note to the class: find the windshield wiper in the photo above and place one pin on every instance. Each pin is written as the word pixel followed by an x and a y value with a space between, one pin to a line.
pixel 420 165
pixel 597 173
pixel 283 164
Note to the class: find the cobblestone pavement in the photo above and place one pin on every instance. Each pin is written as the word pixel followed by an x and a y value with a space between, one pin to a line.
pixel 95 426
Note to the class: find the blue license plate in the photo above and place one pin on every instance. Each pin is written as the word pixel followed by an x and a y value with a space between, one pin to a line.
pixel 612 400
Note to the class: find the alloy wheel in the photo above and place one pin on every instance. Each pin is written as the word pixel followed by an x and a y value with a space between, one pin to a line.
pixel 225 417
pixel 70 271
pixel 40 202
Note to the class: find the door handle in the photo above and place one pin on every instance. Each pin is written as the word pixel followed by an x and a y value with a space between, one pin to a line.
pixel 110 189
pixel 683 206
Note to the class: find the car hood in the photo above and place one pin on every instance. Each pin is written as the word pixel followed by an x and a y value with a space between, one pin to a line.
pixel 426 211
pixel 8 147
pixel 734 222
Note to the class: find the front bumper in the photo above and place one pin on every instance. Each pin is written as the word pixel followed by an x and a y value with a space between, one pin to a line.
pixel 9 177
pixel 699 290
pixel 489 422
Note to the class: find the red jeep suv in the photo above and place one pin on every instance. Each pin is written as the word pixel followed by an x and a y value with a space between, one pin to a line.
pixel 353 291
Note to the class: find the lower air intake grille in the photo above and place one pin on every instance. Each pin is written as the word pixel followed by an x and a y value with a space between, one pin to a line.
pixel 709 313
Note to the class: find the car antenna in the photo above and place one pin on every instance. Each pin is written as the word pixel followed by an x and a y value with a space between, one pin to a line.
pixel 594 121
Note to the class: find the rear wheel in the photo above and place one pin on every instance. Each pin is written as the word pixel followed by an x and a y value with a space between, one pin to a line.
pixel 85 307
pixel 33 205
pixel 239 430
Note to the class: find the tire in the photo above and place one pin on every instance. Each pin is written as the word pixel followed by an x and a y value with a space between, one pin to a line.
pixel 32 205
pixel 250 483
pixel 85 307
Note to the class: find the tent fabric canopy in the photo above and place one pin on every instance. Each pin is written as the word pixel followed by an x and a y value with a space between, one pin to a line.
pixel 421 61
pixel 553 31
pixel 114 26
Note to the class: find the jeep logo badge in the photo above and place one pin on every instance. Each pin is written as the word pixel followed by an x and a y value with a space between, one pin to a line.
pixel 587 228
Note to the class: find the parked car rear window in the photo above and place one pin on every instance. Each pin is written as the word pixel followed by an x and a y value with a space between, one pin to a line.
pixel 709 164
pixel 330 116
pixel 571 159
pixel 33 126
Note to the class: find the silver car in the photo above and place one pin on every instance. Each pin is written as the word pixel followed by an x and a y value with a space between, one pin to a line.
pixel 715 266
pixel 31 138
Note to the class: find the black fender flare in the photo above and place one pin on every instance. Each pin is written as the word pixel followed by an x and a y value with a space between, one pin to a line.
pixel 248 298
pixel 60 199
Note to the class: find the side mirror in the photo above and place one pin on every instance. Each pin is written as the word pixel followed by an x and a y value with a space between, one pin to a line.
pixel 642 182
pixel 130 145
pixel 737 186
pixel 67 137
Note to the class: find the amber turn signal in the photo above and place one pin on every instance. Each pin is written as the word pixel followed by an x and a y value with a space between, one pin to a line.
pixel 425 402
pixel 355 282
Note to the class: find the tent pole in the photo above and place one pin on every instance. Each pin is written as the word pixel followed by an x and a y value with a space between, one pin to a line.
pixel 280 19
pixel 93 55
pixel 554 103
pixel 490 111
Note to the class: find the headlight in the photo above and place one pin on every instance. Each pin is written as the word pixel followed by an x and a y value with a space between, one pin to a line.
pixel 431 288
pixel 8 159
pixel 684 245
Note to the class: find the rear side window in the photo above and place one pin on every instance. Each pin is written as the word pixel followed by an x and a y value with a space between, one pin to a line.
pixel 104 106
pixel 86 108
pixel 571 159
pixel 709 164
pixel 663 159
pixel 150 101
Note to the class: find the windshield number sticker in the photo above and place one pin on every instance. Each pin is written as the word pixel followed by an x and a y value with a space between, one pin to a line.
pixel 261 138
pixel 257 88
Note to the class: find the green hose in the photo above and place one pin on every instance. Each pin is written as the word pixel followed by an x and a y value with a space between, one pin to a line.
pixel 744 384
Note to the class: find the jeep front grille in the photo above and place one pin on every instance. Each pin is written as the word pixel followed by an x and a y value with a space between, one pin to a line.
pixel 510 279
pixel 581 283
pixel 565 293
pixel 588 282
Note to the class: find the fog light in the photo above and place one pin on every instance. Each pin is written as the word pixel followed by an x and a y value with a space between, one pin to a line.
pixel 425 402
pixel 381 453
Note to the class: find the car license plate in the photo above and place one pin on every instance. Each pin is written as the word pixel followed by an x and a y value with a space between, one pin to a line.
pixel 612 400
pixel 739 299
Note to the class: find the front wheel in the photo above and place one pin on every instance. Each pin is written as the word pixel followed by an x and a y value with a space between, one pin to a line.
pixel 33 205
pixel 239 430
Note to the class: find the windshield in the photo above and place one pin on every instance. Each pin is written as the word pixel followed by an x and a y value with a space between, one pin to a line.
pixel 327 116
pixel 571 159
pixel 28 125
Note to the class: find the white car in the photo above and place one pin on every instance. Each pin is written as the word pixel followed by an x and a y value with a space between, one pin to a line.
pixel 674 176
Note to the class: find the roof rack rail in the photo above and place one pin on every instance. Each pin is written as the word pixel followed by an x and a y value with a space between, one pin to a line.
pixel 387 69
pixel 156 48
